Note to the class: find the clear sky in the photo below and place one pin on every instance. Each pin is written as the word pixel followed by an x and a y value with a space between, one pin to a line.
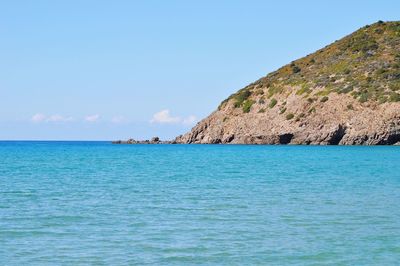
pixel 102 70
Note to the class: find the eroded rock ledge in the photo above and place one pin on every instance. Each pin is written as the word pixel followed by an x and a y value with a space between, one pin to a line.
pixel 331 124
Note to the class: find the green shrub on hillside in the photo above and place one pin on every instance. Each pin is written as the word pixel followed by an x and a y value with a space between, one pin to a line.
pixel 346 71
pixel 345 90
pixel 382 99
pixel 324 99
pixel 274 90
pixel 295 69
pixel 394 97
pixel 272 103
pixel 363 97
pixel 289 116
pixel 247 105
pixel 241 96
pixel 395 86
pixel 303 89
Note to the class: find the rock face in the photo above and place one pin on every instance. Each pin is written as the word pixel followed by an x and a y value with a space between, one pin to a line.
pixel 347 93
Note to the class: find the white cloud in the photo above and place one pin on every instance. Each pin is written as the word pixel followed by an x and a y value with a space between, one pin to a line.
pixel 92 118
pixel 58 118
pixel 190 120
pixel 37 118
pixel 164 117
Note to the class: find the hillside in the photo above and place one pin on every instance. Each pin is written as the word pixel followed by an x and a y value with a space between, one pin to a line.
pixel 346 93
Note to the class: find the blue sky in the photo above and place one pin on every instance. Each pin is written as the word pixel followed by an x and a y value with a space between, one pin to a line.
pixel 101 70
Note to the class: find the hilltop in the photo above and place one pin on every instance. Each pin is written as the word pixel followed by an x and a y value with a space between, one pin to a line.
pixel 345 93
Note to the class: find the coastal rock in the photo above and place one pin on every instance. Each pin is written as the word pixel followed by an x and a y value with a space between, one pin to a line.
pixel 347 93
pixel 154 140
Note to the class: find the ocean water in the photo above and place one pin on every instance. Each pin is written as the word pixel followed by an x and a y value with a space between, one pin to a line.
pixel 93 203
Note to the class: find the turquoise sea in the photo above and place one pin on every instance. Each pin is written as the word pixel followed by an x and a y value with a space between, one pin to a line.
pixel 93 203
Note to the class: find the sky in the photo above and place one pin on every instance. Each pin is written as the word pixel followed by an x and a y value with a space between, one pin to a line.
pixel 107 70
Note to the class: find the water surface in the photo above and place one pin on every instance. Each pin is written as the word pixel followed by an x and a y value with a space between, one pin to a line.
pixel 80 203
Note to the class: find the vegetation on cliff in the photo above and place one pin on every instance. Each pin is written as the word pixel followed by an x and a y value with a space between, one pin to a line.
pixel 364 64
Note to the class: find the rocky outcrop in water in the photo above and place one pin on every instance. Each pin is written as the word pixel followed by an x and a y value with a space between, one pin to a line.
pixel 154 140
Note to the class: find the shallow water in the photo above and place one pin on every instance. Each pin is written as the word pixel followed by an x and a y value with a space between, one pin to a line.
pixel 80 203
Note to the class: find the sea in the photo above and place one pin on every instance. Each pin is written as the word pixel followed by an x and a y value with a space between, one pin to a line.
pixel 94 203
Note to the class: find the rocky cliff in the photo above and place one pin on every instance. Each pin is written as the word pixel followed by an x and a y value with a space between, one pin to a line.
pixel 346 93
